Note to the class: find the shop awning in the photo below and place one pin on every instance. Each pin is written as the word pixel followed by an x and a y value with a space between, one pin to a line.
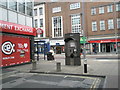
pixel 104 41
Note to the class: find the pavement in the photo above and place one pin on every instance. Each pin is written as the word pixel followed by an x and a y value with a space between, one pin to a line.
pixel 96 67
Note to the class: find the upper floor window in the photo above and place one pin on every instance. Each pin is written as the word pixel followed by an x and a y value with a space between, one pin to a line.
pixel 29 8
pixel 57 29
pixel 102 25
pixel 3 3
pixel 118 7
pixel 41 11
pixel 21 5
pixel 75 22
pixel 35 12
pixel 118 22
pixel 94 26
pixel 36 23
pixel 101 10
pixel 74 6
pixel 93 11
pixel 110 8
pixel 56 9
pixel 13 4
pixel 110 24
pixel 41 22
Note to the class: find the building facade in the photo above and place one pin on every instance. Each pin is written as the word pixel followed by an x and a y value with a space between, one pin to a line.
pixel 16 32
pixel 103 20
pixel 101 24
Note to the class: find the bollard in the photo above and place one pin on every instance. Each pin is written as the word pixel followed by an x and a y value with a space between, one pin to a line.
pixel 58 66
pixel 85 68
pixel 33 65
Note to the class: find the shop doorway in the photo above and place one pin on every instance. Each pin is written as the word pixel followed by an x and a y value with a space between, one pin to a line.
pixel 106 47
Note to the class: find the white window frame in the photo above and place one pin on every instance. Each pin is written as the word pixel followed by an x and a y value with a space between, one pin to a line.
pixel 76 27
pixel 118 23
pixel 74 6
pixel 93 11
pixel 35 13
pixel 56 9
pixel 101 10
pixel 110 24
pixel 118 7
pixel 94 26
pixel 41 13
pixel 110 8
pixel 53 27
pixel 102 24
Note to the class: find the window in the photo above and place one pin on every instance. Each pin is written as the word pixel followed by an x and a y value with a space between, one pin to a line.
pixel 101 10
pixel 21 5
pixel 35 12
pixel 75 21
pixel 57 26
pixel 41 11
pixel 29 8
pixel 13 4
pixel 36 23
pixel 102 25
pixel 110 24
pixel 56 9
pixel 110 8
pixel 94 26
pixel 118 23
pixel 93 11
pixel 41 22
pixel 3 3
pixel 118 7
pixel 74 6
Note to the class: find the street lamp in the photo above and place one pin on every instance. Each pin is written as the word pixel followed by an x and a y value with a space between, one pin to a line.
pixel 115 27
pixel 84 44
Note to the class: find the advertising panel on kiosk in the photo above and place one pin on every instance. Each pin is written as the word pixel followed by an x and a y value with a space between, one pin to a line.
pixel 15 44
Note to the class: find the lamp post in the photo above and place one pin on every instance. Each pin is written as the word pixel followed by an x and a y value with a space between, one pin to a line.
pixel 115 27
pixel 84 44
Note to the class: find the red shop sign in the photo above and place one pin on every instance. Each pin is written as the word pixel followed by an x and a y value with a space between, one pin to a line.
pixel 15 50
pixel 104 41
pixel 16 28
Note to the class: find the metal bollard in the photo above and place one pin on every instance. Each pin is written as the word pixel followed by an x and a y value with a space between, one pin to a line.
pixel 33 65
pixel 58 66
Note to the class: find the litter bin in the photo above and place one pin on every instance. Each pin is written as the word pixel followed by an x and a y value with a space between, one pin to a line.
pixel 50 56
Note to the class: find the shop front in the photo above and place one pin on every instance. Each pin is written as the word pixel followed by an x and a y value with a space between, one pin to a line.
pixel 105 45
pixel 16 45
pixel 57 46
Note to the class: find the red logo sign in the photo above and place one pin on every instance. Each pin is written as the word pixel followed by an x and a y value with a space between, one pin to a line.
pixel 16 28
pixel 39 31
pixel 15 50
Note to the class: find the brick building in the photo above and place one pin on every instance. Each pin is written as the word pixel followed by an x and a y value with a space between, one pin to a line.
pixel 101 24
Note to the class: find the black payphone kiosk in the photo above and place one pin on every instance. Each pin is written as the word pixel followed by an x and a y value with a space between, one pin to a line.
pixel 72 49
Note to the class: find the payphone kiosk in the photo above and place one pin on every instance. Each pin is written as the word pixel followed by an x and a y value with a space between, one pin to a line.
pixel 72 49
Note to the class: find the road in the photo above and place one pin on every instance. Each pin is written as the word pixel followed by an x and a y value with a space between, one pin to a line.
pixel 105 65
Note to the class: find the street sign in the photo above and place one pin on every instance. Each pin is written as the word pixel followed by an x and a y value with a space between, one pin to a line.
pixel 39 31
pixel 82 40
